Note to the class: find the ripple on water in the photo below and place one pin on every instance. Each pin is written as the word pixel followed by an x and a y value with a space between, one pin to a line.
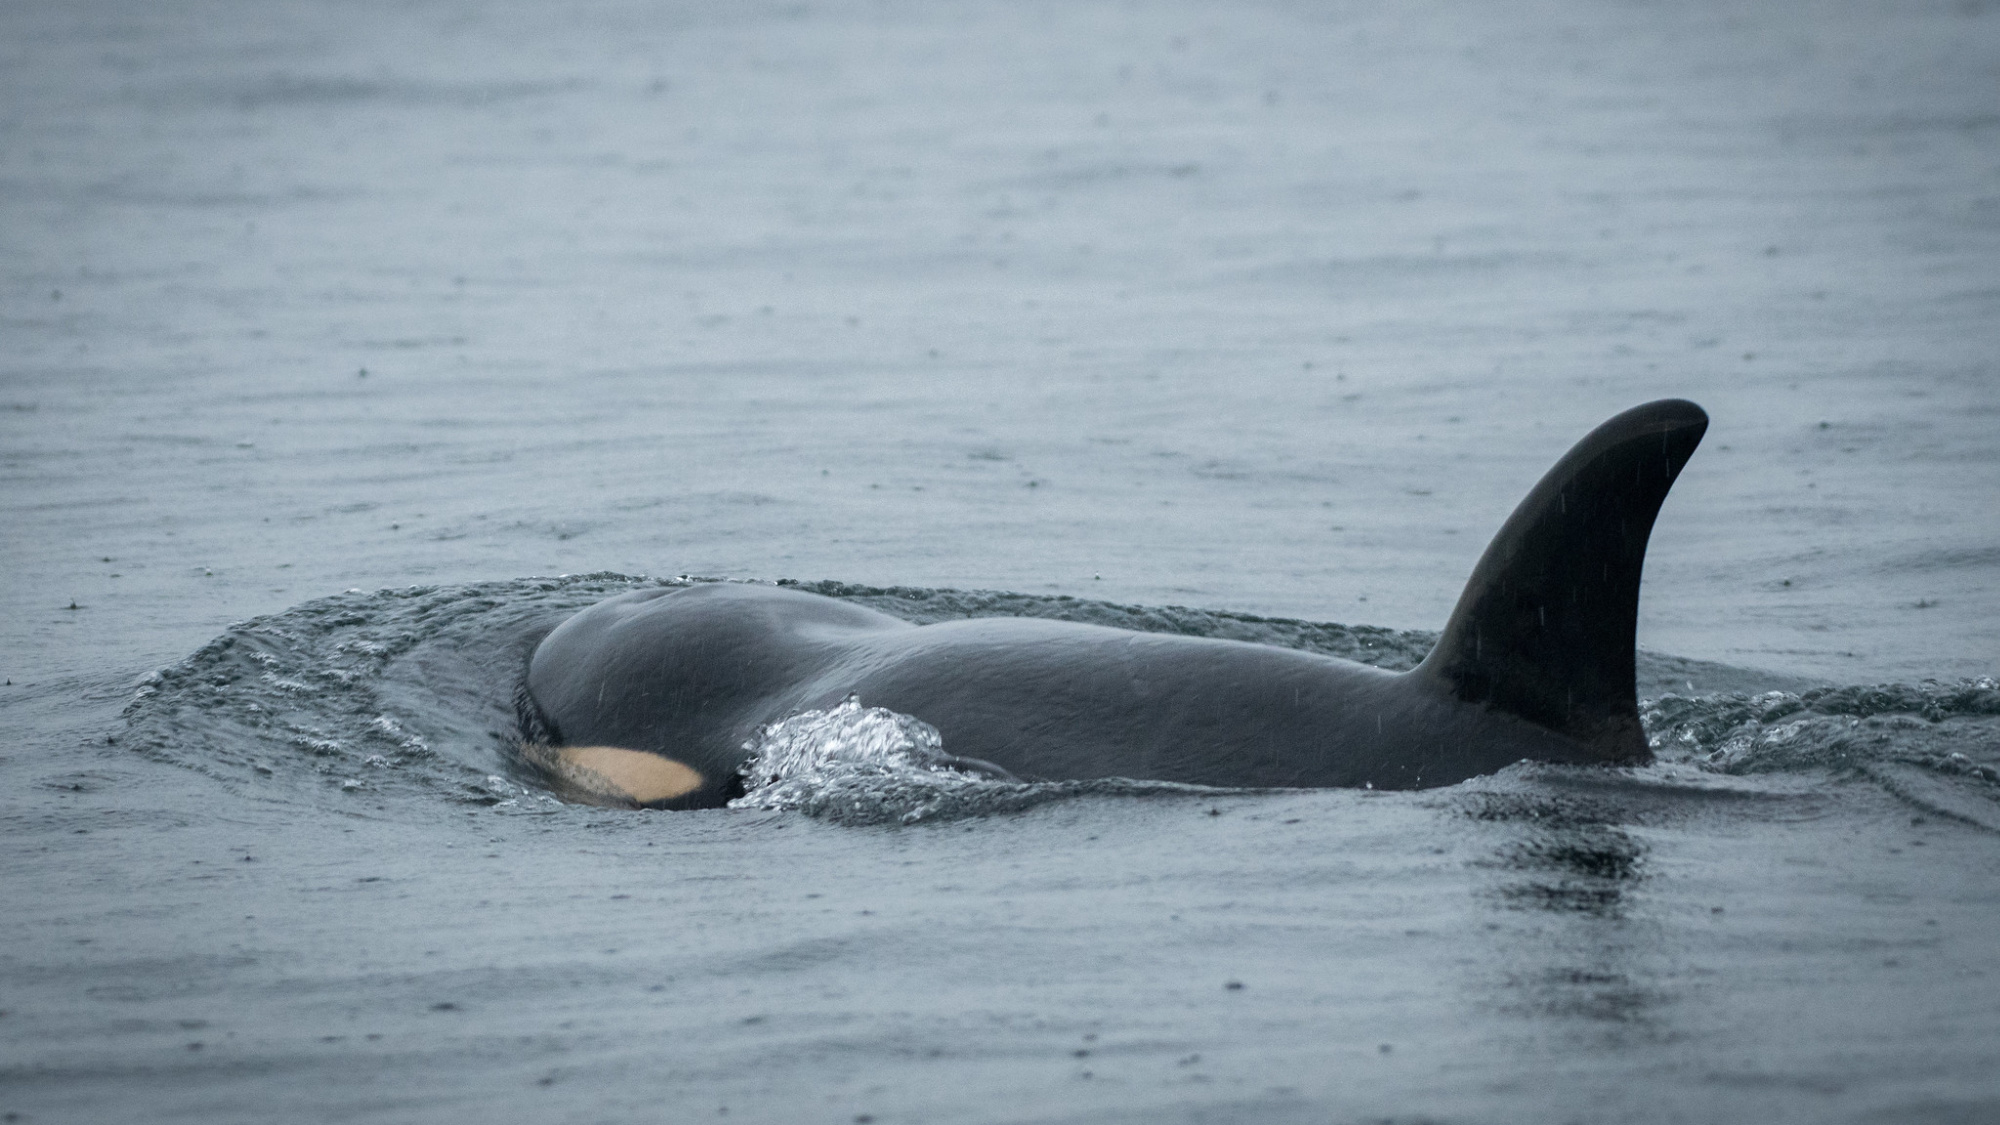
pixel 407 693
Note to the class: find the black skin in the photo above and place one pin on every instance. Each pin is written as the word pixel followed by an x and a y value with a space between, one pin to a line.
pixel 1535 663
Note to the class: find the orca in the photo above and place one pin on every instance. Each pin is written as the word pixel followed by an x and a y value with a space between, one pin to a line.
pixel 653 698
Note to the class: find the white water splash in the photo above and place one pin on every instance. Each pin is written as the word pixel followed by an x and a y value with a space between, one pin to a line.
pixel 855 764
pixel 869 765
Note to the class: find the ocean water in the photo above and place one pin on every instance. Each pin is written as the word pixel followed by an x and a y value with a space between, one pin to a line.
pixel 347 347
pixel 868 932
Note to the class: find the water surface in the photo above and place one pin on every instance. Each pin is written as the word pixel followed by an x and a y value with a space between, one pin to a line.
pixel 328 327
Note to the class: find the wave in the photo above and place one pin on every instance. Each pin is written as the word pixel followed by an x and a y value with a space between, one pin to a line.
pixel 1950 727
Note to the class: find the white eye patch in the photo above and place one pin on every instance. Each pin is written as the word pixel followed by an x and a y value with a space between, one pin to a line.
pixel 616 775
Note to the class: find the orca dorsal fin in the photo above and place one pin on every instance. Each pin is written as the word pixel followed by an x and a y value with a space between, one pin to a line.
pixel 1544 630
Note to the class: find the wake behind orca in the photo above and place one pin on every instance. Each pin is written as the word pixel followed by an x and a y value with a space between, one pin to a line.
pixel 654 698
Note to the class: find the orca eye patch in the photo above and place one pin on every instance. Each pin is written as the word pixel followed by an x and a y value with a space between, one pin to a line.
pixel 635 775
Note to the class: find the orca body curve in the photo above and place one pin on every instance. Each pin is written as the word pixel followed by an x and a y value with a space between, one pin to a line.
pixel 650 698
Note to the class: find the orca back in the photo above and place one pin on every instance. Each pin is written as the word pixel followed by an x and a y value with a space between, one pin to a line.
pixel 1544 630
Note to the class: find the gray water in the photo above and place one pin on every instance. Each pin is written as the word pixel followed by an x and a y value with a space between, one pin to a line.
pixel 329 327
